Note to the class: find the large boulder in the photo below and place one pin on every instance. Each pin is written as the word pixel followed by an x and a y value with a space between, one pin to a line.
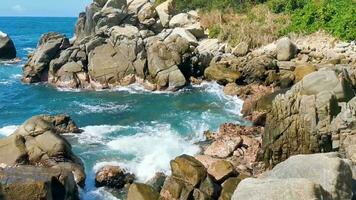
pixel 7 47
pixel 165 12
pixel 32 183
pixel 315 176
pixel 299 121
pixel 221 73
pixel 49 47
pixel 38 142
pixel 286 50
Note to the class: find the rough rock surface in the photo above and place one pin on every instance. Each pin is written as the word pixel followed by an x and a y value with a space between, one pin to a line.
pixel 7 47
pixel 32 183
pixel 139 191
pixel 38 142
pixel 113 177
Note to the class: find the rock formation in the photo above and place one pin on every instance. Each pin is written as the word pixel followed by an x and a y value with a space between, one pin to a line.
pixel 7 47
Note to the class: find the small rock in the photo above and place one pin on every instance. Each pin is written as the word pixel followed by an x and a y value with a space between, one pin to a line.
pixel 112 176
pixel 241 49
pixel 286 50
pixel 7 47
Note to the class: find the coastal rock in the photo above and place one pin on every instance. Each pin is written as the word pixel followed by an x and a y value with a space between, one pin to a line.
pixel 286 50
pixel 165 12
pixel 206 50
pixel 210 188
pixel 241 49
pixel 38 142
pixel 36 69
pixel 157 181
pixel 32 183
pixel 174 189
pixel 189 22
pixel 223 147
pixel 292 189
pixel 7 47
pixel 221 170
pixel 228 187
pixel 139 191
pixel 291 116
pixel 188 169
pixel 302 70
pixel 221 73
pixel 113 177
pixel 231 89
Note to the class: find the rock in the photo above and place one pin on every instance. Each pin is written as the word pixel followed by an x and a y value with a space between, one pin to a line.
pixel 221 73
pixel 221 170
pixel 188 169
pixel 228 188
pixel 139 191
pixel 147 14
pixel 157 181
pixel 49 47
pixel 165 11
pixel 188 22
pixel 224 147
pixel 305 112
pixel 291 189
pixel 32 183
pixel 199 195
pixel 113 177
pixel 206 50
pixel 174 189
pixel 38 142
pixel 231 89
pixel 210 188
pixel 315 168
pixel 241 49
pixel 186 35
pixel 286 65
pixel 7 47
pixel 255 70
pixel 134 6
pixel 286 50
pixel 302 70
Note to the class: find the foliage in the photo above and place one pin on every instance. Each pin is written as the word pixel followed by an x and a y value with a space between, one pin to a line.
pixel 279 6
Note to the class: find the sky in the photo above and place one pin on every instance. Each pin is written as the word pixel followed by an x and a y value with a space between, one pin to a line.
pixel 42 8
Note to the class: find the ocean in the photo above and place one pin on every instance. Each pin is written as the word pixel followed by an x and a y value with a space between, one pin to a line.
pixel 131 127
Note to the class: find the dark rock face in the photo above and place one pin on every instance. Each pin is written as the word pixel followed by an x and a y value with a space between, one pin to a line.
pixel 113 177
pixel 33 183
pixel 7 47
pixel 38 142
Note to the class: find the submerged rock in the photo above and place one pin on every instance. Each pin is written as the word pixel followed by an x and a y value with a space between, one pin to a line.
pixel 33 183
pixel 7 47
pixel 38 142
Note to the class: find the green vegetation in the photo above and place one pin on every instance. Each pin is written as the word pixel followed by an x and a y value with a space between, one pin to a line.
pixel 279 6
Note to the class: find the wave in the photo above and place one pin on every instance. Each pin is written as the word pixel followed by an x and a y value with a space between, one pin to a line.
pixel 100 108
pixel 8 130
pixel 12 79
pixel 97 193
pixel 29 50
pixel 152 148
pixel 96 134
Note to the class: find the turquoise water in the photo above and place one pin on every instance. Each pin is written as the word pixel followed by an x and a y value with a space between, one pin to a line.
pixel 131 127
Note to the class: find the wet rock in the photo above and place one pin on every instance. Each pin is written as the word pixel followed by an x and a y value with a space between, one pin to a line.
pixel 231 89
pixel 286 50
pixel 157 181
pixel 7 47
pixel 32 183
pixel 113 177
pixel 139 191
pixel 38 142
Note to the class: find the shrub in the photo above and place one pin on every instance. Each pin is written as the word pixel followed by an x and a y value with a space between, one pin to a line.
pixel 278 6
pixel 335 16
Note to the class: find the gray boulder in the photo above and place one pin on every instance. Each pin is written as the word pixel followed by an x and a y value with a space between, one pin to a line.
pixel 7 47
pixel 165 12
pixel 286 50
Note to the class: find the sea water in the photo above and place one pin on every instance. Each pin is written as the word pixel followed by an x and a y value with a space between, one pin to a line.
pixel 131 127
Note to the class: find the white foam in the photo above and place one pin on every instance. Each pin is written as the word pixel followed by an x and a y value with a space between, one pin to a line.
pixel 152 148
pixel 2 34
pixel 8 130
pixel 96 134
pixel 100 108
pixel 29 50
pixel 99 193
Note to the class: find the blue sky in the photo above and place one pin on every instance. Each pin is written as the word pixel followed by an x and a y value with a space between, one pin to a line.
pixel 58 8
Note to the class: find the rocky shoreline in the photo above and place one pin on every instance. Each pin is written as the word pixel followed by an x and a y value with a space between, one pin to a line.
pixel 298 92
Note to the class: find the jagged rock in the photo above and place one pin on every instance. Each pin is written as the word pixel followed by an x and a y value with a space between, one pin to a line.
pixel 231 89
pixel 50 45
pixel 134 6
pixel 139 191
pixel 174 189
pixel 188 22
pixel 184 33
pixel 147 14
pixel 157 181
pixel 223 147
pixel 165 12
pixel 113 177
pixel 32 183
pixel 291 189
pixel 38 142
pixel 221 170
pixel 7 47
pixel 164 59
pixel 302 70
pixel 210 188
pixel 206 50
pixel 221 73
pixel 188 169
pixel 305 112
pixel 286 50
pixel 241 49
